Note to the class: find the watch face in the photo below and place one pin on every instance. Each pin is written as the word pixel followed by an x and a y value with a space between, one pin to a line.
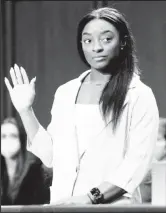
pixel 95 191
pixel 97 196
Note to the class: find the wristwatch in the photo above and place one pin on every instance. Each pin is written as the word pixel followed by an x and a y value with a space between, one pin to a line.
pixel 96 196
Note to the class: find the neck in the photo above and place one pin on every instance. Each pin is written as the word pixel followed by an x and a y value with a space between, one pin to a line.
pixel 11 164
pixel 105 74
pixel 97 76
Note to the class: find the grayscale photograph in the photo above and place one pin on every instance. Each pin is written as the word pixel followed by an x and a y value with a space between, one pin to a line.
pixel 83 106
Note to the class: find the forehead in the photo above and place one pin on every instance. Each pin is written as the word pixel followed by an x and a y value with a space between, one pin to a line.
pixel 9 128
pixel 99 26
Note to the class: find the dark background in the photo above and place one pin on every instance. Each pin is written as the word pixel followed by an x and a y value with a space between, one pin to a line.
pixel 41 37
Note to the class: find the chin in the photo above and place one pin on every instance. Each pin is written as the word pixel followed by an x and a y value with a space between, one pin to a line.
pixel 10 153
pixel 99 66
pixel 100 69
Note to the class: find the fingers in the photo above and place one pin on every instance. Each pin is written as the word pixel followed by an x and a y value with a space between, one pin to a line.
pixel 24 76
pixel 9 87
pixel 13 76
pixel 18 74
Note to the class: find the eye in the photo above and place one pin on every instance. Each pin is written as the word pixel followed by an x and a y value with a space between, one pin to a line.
pixel 87 41
pixel 14 135
pixel 106 40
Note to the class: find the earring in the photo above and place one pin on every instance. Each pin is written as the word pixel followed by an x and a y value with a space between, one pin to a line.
pixel 121 48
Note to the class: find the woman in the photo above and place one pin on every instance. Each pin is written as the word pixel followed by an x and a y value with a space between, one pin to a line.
pixel 160 151
pixel 22 175
pixel 104 123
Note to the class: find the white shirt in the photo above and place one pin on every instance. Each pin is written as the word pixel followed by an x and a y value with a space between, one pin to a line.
pixel 89 124
pixel 123 158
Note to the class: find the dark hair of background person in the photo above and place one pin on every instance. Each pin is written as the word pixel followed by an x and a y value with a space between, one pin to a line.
pixel 122 67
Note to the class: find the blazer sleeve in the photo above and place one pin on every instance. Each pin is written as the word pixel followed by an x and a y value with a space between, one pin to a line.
pixel 142 137
pixel 42 144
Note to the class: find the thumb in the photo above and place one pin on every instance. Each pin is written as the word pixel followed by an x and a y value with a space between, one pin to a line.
pixel 32 83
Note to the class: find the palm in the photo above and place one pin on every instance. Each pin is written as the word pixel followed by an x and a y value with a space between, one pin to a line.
pixel 23 93
pixel 22 96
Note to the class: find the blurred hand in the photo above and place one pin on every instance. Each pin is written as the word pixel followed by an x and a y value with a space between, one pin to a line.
pixel 22 93
pixel 75 200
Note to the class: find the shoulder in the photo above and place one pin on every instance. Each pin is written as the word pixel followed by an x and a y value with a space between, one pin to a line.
pixel 32 166
pixel 68 85
pixel 141 92
pixel 32 159
pixel 142 100
pixel 71 85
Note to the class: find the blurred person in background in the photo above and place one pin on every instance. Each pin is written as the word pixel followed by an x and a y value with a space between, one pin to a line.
pixel 22 174
pixel 159 155
pixel 160 151
pixel 101 138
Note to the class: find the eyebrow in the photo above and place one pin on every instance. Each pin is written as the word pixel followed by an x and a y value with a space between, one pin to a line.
pixel 106 31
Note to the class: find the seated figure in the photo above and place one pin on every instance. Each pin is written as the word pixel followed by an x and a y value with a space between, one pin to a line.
pixel 159 155
pixel 24 179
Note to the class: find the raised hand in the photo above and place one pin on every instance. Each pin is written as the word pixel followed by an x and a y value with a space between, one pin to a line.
pixel 23 92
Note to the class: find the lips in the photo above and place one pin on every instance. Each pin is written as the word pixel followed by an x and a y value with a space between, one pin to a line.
pixel 99 58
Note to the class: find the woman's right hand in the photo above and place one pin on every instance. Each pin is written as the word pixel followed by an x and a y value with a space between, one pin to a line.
pixel 22 93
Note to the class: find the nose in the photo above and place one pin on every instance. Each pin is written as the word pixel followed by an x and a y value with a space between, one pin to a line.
pixel 97 47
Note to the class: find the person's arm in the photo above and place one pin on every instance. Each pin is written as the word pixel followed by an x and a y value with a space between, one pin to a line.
pixel 22 96
pixel 142 137
pixel 110 192
pixel 30 122
pixel 39 140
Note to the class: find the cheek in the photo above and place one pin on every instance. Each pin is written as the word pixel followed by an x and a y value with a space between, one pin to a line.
pixel 87 52
pixel 113 50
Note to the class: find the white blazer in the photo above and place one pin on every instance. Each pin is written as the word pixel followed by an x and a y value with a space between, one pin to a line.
pixel 123 158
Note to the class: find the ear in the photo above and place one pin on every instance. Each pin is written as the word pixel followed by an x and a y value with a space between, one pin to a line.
pixel 122 46
pixel 123 42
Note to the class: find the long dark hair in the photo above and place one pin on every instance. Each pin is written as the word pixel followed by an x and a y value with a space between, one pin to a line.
pixel 114 93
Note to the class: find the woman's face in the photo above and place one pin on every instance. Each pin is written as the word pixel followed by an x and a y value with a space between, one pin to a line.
pixel 100 43
pixel 10 141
